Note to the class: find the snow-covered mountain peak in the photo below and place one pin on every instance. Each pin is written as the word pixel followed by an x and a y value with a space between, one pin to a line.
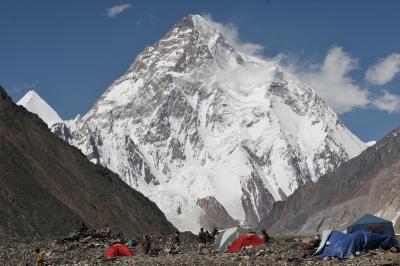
pixel 211 134
pixel 35 104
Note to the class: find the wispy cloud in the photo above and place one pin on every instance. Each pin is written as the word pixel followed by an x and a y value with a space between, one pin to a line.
pixel 388 102
pixel 331 78
pixel 25 86
pixel 231 34
pixel 151 16
pixel 384 70
pixel 117 9
pixel 333 83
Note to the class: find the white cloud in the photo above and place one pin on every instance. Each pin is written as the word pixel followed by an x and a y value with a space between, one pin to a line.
pixel 332 82
pixel 331 79
pixel 384 70
pixel 388 102
pixel 118 9
pixel 230 32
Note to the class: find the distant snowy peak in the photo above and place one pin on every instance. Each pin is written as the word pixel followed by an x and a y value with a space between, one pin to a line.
pixel 35 104
pixel 371 143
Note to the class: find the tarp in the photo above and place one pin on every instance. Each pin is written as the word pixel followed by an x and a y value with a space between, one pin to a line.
pixel 118 250
pixel 227 236
pixel 341 245
pixel 244 241
pixel 324 238
pixel 373 224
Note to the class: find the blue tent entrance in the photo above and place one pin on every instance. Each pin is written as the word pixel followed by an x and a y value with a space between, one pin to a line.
pixel 373 224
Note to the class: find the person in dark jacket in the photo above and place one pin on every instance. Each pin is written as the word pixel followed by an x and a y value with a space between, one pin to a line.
pixel 265 236
pixel 176 242
pixel 177 238
pixel 214 234
pixel 107 231
pixel 316 241
pixel 202 241
pixel 208 237
pixel 146 244
pixel 120 236
pixel 83 229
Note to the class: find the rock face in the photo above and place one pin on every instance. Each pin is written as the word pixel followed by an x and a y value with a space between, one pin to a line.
pixel 48 186
pixel 214 214
pixel 194 117
pixel 368 183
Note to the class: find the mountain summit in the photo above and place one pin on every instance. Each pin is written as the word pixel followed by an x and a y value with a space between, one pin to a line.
pixel 35 104
pixel 211 134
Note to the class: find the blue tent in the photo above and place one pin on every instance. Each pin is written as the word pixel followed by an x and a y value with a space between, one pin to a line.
pixel 341 245
pixel 372 224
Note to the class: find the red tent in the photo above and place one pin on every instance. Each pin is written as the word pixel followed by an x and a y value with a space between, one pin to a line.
pixel 118 250
pixel 243 241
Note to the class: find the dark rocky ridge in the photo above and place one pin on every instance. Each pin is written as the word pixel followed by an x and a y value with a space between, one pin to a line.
pixel 47 186
pixel 369 182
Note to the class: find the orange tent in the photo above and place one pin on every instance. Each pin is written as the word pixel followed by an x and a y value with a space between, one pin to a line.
pixel 118 250
pixel 243 241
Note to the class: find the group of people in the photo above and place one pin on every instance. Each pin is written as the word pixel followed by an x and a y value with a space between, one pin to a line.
pixel 206 238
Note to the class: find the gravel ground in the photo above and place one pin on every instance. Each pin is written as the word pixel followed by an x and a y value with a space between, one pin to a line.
pixel 20 251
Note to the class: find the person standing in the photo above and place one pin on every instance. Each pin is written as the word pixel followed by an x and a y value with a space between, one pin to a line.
pixel 174 249
pixel 146 244
pixel 83 229
pixel 214 234
pixel 265 236
pixel 202 241
pixel 107 231
pixel 120 236
pixel 39 257
pixel 208 238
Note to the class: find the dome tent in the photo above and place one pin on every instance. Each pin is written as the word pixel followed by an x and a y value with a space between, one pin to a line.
pixel 373 224
pixel 118 250
pixel 245 240
pixel 228 236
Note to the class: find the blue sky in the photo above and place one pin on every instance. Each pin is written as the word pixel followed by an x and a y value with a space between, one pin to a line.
pixel 70 51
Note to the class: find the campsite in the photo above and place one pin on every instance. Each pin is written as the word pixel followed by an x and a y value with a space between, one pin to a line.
pixel 280 252
pixel 205 132
pixel 232 246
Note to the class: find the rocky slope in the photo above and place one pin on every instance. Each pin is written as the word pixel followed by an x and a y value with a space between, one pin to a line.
pixel 201 127
pixel 48 186
pixel 368 183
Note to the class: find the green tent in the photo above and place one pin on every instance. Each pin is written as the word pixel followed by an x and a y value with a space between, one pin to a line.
pixel 372 223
